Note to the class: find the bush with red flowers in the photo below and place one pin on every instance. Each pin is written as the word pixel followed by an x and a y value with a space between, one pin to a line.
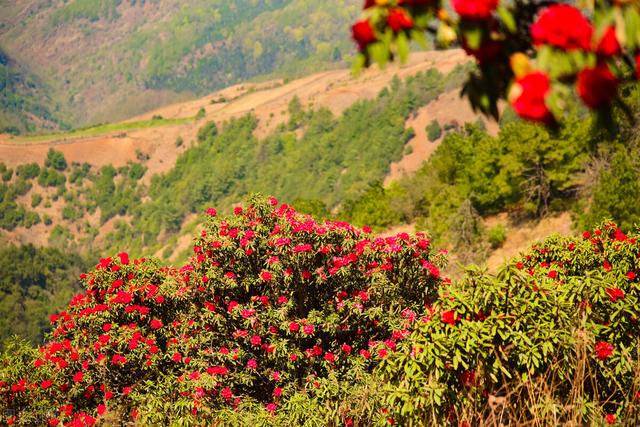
pixel 588 52
pixel 272 305
pixel 557 328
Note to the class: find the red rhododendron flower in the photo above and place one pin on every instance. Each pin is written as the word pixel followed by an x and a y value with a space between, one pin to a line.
pixel 156 324
pixel 610 419
pixel 530 103
pixel 433 270
pixel 308 329
pixel 226 393
pixel 475 9
pixel 449 317
pixel 362 33
pixel 399 20
pixel 562 26
pixel 604 350
pixel 294 327
pixel 176 357
pixel 78 377
pixel 212 212
pixel 46 384
pixel 277 392
pixel 631 275
pixel 266 276
pixel 609 45
pixel 252 364
pixel 597 86
pixel 124 258
pixel 615 294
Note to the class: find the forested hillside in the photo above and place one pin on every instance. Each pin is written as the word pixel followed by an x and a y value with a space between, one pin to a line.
pixel 315 159
pixel 110 59
pixel 35 280
pixel 25 103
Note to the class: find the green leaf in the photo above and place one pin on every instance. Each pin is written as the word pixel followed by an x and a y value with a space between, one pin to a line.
pixel 473 36
pixel 402 43
pixel 380 53
pixel 507 18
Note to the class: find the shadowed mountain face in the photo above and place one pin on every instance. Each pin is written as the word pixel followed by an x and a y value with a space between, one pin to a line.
pixel 109 59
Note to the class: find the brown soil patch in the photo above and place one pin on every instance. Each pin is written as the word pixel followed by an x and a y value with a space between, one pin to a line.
pixel 521 236
pixel 447 107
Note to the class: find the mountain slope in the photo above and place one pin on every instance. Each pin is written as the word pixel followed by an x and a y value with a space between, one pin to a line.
pixel 111 59
pixel 303 130
pixel 25 105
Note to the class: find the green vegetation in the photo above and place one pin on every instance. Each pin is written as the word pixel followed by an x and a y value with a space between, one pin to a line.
pixel 91 10
pixel 526 170
pixel 28 171
pixel 104 129
pixel 34 282
pixel 309 324
pixel 55 159
pixel 434 131
pixel 205 45
pixel 25 105
pixel 327 163
pixel 497 236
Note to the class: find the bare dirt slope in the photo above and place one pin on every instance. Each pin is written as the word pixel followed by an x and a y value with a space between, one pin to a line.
pixel 335 90
pixel 521 236
pixel 446 108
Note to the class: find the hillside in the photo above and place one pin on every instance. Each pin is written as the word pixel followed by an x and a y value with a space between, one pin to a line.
pixel 151 143
pixel 107 60
pixel 25 104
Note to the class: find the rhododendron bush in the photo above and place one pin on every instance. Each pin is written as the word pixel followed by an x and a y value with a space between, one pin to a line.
pixel 273 305
pixel 534 54
pixel 552 340
pixel 281 320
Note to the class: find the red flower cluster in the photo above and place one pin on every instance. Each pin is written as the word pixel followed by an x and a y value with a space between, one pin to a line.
pixel 474 9
pixel 562 26
pixel 597 86
pixel 363 33
pixel 604 350
pixel 530 102
pixel 399 20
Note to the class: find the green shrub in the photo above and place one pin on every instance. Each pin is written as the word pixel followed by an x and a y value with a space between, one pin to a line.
pixel 434 131
pixel 30 219
pixel 55 159
pixel 553 338
pixel 50 177
pixel 209 130
pixel 497 236
pixel 7 175
pixel 28 171
pixel 36 199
